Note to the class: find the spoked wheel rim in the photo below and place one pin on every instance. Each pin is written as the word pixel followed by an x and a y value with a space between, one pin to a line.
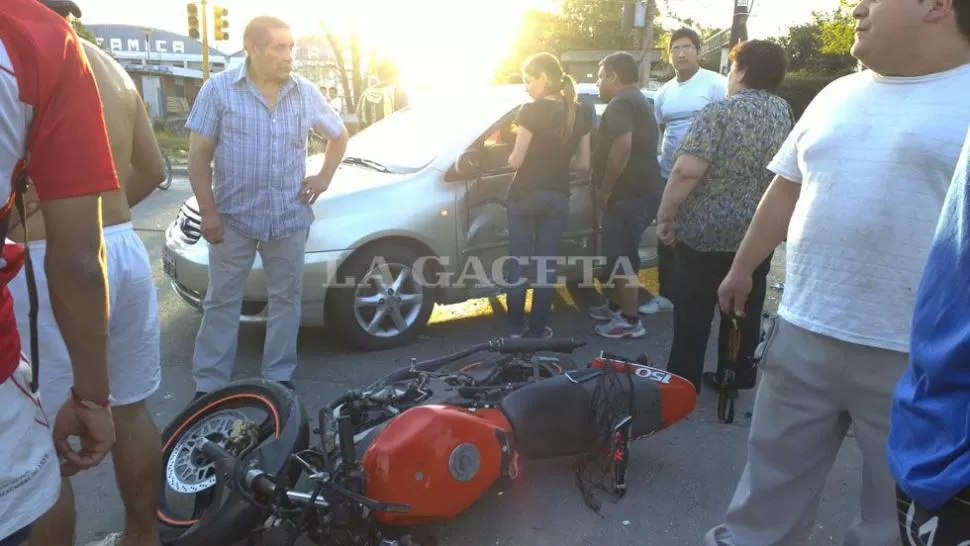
pixel 186 471
pixel 388 301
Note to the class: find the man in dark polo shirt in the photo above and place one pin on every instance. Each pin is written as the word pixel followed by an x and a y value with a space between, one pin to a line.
pixel 628 189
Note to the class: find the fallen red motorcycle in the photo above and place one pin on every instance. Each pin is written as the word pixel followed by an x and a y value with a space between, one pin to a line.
pixel 418 446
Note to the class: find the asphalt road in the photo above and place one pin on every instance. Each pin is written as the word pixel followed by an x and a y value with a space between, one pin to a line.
pixel 681 480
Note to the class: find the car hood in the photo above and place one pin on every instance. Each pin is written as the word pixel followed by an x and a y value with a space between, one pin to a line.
pixel 353 178
pixel 348 181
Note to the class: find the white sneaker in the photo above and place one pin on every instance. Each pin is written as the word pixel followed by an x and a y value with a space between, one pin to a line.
pixel 658 304
pixel 619 328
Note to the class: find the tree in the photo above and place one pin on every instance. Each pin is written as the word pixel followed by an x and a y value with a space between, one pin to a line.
pixel 580 25
pixel 837 29
pixel 804 44
pixel 540 32
pixel 82 31
pixel 350 95
pixel 821 46
pixel 704 31
pixel 594 24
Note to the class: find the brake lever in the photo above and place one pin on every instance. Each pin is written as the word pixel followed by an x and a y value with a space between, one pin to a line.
pixel 370 503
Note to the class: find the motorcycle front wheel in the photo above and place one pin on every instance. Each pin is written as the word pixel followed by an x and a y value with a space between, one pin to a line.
pixel 189 486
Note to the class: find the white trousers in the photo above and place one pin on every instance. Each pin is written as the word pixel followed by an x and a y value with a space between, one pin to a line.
pixel 134 348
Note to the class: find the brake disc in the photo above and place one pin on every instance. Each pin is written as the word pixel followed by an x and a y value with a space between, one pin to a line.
pixel 189 471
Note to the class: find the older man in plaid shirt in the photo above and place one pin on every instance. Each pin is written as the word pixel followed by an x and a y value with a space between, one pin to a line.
pixel 255 122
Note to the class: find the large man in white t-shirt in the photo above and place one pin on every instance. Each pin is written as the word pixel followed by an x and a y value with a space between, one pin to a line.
pixel 860 185
pixel 676 102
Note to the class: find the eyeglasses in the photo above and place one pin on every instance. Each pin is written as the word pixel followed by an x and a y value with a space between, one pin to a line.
pixel 684 49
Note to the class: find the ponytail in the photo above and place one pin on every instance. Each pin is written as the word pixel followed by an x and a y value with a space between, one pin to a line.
pixel 568 93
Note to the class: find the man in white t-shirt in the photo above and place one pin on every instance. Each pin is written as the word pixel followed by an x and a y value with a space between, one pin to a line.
pixel 860 185
pixel 675 104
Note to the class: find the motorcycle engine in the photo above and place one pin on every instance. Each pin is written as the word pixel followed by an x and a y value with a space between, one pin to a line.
pixel 347 524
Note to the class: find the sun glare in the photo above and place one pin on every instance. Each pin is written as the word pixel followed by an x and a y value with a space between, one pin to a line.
pixel 439 43
pixel 435 43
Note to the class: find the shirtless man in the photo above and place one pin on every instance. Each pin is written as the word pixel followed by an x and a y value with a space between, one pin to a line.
pixel 134 349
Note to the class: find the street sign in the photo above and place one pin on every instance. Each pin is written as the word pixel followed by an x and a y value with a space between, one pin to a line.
pixel 634 15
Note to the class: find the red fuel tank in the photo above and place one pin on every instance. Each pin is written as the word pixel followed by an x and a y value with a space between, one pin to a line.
pixel 439 460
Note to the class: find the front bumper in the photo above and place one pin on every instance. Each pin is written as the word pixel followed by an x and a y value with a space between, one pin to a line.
pixel 186 266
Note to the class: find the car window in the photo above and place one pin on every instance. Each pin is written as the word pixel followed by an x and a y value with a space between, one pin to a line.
pixel 499 143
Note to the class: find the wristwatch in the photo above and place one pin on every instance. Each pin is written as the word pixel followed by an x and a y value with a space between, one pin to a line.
pixel 91 404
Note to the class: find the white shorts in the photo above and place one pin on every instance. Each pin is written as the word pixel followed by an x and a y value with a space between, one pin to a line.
pixel 30 476
pixel 134 349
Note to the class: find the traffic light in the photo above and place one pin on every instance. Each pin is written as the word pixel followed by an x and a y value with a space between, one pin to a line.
pixel 220 23
pixel 193 13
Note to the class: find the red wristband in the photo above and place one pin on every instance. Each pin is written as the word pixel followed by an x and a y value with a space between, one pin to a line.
pixel 89 404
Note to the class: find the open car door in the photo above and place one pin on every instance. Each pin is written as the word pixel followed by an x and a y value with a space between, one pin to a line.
pixel 483 223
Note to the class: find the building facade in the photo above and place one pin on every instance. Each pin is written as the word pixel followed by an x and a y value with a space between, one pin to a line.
pixel 166 66
pixel 583 65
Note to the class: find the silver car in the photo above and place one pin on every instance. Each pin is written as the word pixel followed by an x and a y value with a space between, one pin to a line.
pixel 415 213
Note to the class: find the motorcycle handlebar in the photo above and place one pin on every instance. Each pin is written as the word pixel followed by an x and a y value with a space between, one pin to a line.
pixel 528 345
pixel 503 345
pixel 263 485
pixel 506 345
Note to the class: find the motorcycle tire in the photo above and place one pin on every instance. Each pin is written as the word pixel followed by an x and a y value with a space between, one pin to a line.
pixel 242 518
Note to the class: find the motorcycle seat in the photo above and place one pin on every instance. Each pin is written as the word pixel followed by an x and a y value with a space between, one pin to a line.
pixel 548 417
pixel 551 418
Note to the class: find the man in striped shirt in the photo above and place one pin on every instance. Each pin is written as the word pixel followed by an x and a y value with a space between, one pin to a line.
pixel 254 121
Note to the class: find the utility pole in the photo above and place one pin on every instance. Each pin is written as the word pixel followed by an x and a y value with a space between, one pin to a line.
pixel 739 23
pixel 646 60
pixel 640 15
pixel 148 45
pixel 205 44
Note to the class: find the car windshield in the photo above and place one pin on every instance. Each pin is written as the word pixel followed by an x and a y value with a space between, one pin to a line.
pixel 411 138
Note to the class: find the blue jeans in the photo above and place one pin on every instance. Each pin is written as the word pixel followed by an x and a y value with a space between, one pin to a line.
pixel 536 225
pixel 18 538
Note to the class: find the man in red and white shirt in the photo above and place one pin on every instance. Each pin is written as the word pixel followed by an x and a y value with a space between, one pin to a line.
pixel 52 130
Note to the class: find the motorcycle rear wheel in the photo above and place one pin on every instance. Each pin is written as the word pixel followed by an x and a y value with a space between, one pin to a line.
pixel 206 417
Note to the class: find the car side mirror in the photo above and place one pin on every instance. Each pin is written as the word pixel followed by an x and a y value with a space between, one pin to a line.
pixel 470 164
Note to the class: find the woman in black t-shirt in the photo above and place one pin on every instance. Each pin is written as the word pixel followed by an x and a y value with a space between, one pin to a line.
pixel 553 139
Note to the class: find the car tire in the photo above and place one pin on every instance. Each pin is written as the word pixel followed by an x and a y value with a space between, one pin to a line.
pixel 357 278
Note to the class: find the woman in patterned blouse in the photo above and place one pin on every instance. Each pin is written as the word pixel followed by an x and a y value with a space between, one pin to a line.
pixel 718 178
